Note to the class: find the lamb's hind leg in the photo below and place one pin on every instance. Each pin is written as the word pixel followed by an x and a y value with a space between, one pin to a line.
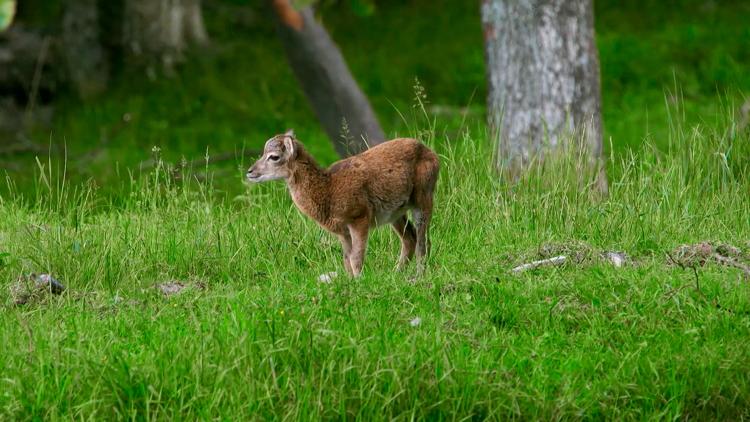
pixel 422 217
pixel 425 180
pixel 408 237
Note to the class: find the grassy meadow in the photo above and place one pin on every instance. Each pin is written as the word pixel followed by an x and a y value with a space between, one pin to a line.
pixel 121 199
pixel 256 335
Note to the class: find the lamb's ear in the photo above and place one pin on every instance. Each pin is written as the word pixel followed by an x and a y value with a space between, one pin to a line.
pixel 289 143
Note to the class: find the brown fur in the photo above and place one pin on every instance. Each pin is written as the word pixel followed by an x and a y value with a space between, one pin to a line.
pixel 359 193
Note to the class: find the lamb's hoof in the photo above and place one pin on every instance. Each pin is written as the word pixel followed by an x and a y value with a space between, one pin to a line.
pixel 403 263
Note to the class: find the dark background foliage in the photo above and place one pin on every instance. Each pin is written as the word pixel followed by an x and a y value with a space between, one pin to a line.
pixel 690 56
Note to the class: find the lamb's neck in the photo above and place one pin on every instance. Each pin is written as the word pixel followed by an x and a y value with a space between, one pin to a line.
pixel 309 186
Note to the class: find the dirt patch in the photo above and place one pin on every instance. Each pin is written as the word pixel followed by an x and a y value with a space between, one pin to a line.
pixel 691 255
pixel 702 253
pixel 34 288
pixel 577 253
pixel 170 288
pixel 574 253
pixel 175 287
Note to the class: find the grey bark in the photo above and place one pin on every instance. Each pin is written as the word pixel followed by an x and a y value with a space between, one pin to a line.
pixel 85 57
pixel 160 30
pixel 543 79
pixel 340 105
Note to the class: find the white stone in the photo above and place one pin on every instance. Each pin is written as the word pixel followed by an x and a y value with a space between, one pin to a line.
pixel 327 277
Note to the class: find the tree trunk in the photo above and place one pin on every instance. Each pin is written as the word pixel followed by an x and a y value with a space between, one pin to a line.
pixel 84 54
pixel 341 107
pixel 543 80
pixel 160 30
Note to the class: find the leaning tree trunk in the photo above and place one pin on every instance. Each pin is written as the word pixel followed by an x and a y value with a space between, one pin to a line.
pixel 84 54
pixel 543 73
pixel 160 30
pixel 341 107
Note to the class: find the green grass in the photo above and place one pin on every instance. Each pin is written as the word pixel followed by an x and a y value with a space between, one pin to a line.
pixel 256 336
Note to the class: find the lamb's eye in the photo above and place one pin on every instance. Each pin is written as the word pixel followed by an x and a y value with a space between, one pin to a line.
pixel 273 157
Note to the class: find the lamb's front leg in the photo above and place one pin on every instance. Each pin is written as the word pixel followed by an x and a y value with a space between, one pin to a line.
pixel 346 246
pixel 359 231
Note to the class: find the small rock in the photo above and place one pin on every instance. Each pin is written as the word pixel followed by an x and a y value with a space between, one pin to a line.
pixel 692 255
pixel 34 288
pixel 415 322
pixel 618 259
pixel 47 282
pixel 327 277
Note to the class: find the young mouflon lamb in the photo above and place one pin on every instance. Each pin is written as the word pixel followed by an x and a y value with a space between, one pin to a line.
pixel 358 193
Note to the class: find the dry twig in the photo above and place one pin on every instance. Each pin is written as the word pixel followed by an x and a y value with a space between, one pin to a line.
pixel 554 261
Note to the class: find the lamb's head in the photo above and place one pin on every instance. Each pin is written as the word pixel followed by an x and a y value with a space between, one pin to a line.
pixel 278 154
